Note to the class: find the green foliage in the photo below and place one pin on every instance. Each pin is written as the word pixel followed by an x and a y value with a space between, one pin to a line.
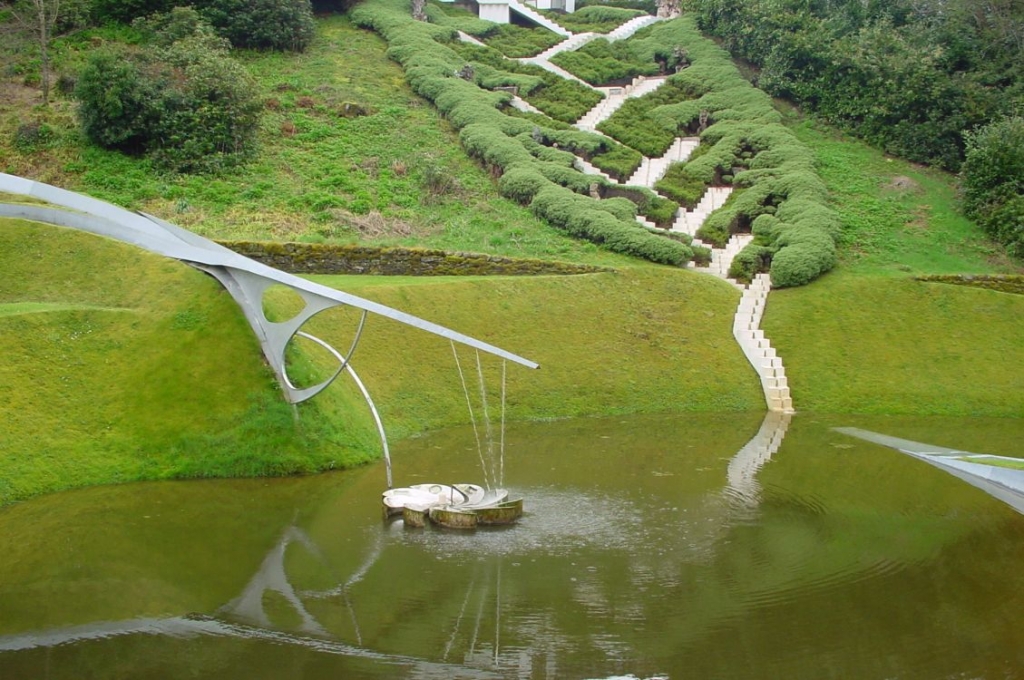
pixel 619 161
pixel 660 210
pixel 261 24
pixel 561 99
pixel 539 173
pixel 908 77
pixel 124 11
pixel 116 99
pixel 993 181
pixel 634 125
pixel 587 218
pixel 680 186
pixel 164 29
pixel 645 6
pixel 188 105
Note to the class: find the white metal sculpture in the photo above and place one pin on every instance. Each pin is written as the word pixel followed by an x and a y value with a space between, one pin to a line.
pixel 245 279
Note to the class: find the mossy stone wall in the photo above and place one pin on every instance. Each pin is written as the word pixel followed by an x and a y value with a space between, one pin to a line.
pixel 1012 283
pixel 314 258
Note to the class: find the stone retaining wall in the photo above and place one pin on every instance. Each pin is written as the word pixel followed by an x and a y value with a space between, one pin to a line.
pixel 1010 283
pixel 315 258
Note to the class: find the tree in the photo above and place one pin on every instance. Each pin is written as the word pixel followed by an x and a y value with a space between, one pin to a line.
pixel 39 17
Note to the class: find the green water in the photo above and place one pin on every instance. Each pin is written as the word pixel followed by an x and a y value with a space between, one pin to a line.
pixel 653 547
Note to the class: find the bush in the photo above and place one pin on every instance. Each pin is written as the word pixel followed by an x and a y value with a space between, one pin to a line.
pixel 189 106
pixel 992 180
pixel 262 24
pixel 117 101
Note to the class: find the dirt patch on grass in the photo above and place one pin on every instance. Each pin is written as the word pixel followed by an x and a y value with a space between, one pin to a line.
pixel 920 219
pixel 903 184
pixel 18 97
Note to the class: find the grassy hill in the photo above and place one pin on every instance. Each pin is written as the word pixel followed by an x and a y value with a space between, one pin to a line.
pixel 119 365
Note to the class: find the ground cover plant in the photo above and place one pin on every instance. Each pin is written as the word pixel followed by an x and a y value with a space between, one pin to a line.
pixel 594 18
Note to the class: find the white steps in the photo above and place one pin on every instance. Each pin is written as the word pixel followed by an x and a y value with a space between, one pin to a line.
pixel 757 348
pixel 614 97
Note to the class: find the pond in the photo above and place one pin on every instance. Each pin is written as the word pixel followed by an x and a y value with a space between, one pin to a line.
pixel 690 546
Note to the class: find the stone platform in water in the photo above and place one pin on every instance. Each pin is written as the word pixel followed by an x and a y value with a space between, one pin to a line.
pixel 456 506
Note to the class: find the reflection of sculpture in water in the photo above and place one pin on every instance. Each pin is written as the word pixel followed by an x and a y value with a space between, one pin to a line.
pixel 250 606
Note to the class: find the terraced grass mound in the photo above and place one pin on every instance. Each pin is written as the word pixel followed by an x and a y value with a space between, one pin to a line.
pixel 884 344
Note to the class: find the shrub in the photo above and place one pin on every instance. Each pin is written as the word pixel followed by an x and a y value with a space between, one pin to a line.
pixel 189 106
pixel 517 41
pixel 992 180
pixel 31 136
pixel 680 186
pixel 117 101
pixel 261 24
pixel 124 11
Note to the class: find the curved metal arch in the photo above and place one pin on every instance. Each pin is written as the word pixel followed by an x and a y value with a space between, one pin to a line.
pixel 244 279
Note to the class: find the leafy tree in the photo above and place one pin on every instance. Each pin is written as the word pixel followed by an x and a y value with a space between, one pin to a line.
pixel 992 179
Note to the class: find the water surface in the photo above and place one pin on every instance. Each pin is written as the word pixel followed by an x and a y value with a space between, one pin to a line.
pixel 652 546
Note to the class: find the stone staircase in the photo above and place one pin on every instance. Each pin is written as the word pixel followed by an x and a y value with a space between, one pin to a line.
pixel 756 347
pixel 574 42
pixel 689 221
pixel 590 169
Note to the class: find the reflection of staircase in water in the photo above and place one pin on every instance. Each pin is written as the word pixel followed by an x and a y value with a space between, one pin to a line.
pixel 744 466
